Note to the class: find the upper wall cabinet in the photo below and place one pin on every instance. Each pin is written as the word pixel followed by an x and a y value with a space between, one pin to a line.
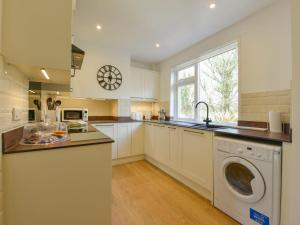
pixel 145 84
pixel 37 33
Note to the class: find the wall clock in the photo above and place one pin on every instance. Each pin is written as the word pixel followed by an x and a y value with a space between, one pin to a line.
pixel 109 77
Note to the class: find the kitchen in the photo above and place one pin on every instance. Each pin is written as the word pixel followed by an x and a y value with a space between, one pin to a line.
pixel 120 138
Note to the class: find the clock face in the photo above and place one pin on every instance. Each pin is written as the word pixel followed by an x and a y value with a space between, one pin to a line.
pixel 109 77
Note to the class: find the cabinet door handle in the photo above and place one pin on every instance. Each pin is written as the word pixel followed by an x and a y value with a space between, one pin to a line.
pixel 195 132
pixel 173 128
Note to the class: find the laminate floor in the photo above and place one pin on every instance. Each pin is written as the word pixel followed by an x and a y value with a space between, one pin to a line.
pixel 144 195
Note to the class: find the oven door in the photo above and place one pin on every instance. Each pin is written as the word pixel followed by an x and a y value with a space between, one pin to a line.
pixel 72 115
pixel 243 179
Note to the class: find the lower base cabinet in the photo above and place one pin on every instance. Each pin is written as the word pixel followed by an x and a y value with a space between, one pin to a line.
pixel 128 137
pixel 124 140
pixel 109 130
pixel 196 156
pixel 137 139
pixel 189 152
pixel 148 140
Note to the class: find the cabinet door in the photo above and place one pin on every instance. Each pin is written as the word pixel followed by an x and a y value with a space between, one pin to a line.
pixel 174 147
pixel 137 139
pixel 137 83
pixel 161 144
pixel 124 140
pixel 149 150
pixel 35 43
pixel 197 156
pixel 110 130
pixel 151 85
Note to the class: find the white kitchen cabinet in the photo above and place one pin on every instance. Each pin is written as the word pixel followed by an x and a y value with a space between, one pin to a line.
pixel 37 33
pixel 149 150
pixel 110 130
pixel 161 143
pixel 144 84
pixel 151 85
pixel 196 156
pixel 174 138
pixel 137 139
pixel 124 140
pixel 137 83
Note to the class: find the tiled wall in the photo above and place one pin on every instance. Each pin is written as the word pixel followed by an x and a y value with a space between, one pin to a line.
pixel 13 93
pixel 95 107
pixel 143 107
pixel 256 106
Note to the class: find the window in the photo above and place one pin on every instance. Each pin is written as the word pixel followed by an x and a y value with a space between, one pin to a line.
pixel 212 78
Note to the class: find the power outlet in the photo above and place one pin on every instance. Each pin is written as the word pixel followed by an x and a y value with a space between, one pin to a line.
pixel 16 114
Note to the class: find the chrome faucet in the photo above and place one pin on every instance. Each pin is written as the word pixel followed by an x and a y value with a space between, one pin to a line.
pixel 207 120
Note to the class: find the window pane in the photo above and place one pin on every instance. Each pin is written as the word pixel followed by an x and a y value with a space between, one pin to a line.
pixel 186 100
pixel 186 73
pixel 219 86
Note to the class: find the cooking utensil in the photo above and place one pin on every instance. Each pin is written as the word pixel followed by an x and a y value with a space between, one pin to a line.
pixel 37 103
pixel 57 103
pixel 49 103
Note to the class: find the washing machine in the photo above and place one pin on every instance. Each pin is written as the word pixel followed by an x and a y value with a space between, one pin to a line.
pixel 247 180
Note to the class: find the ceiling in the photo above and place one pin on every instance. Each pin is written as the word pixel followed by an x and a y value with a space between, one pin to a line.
pixel 137 25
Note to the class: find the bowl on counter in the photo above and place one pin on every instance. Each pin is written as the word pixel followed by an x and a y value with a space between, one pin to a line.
pixel 44 133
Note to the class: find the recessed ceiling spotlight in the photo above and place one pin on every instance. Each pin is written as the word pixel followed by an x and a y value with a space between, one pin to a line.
pixel 45 73
pixel 57 93
pixel 157 45
pixel 212 5
pixel 98 27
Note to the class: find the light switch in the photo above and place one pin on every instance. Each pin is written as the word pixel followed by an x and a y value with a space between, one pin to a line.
pixel 16 114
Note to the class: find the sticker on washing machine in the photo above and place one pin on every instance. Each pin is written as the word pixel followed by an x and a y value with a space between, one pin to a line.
pixel 259 217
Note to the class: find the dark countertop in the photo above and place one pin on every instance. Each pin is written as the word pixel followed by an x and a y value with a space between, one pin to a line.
pixel 231 131
pixel 262 135
pixel 91 137
pixel 113 121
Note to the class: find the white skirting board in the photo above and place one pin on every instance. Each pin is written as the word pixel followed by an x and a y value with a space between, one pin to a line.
pixel 182 179
pixel 128 160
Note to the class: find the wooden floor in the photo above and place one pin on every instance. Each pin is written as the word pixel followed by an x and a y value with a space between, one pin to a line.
pixel 144 195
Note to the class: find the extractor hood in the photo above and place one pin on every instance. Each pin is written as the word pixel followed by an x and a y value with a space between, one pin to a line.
pixel 77 58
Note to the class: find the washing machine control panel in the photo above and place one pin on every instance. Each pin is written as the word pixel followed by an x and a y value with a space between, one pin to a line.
pixel 247 150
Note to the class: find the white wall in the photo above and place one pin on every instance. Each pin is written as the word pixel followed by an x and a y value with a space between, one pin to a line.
pixel 85 82
pixel 265 51
pixel 294 216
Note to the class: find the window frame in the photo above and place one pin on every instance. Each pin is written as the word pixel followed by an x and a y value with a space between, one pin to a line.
pixel 183 82
pixel 175 83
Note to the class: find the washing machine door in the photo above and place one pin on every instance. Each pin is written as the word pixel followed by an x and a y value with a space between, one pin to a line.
pixel 243 179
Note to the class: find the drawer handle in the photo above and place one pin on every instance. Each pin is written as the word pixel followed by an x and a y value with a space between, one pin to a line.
pixel 158 126
pixel 195 132
pixel 173 128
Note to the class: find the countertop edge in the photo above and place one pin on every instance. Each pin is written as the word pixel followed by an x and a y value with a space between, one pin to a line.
pixel 56 146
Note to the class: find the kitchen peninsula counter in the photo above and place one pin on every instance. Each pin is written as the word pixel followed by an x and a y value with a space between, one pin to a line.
pixel 91 137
